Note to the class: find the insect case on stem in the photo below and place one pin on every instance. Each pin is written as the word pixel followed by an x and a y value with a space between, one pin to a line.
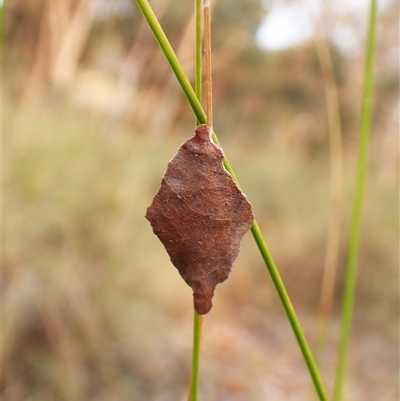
pixel 200 215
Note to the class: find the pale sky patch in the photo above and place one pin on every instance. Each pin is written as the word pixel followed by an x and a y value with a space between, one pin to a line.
pixel 289 23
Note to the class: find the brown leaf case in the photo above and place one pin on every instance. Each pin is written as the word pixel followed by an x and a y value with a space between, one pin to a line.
pixel 200 216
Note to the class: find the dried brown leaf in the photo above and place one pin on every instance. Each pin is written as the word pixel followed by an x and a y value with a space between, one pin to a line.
pixel 200 216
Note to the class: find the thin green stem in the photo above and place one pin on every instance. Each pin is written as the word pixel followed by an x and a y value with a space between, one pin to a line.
pixel 200 114
pixel 197 319
pixel 194 382
pixel 351 272
pixel 290 312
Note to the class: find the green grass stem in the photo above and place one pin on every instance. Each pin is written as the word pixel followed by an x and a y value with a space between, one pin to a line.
pixel 201 116
pixel 290 312
pixel 195 374
pixel 351 271
pixel 197 319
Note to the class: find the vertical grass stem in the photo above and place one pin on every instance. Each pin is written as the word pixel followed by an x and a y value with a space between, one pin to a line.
pixel 351 272
pixel 197 319
pixel 195 374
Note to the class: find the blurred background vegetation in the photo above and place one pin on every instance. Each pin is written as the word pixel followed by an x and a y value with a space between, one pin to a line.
pixel 92 307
